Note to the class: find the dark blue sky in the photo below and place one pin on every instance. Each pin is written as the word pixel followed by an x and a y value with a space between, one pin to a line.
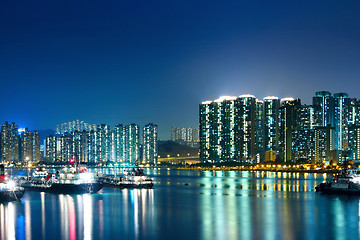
pixel 155 61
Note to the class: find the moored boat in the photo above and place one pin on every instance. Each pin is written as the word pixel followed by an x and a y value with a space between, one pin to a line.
pixel 133 177
pixel 8 190
pixel 70 181
pixel 347 182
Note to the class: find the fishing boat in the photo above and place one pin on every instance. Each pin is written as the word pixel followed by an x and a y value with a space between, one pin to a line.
pixel 8 190
pixel 347 182
pixel 73 180
pixel 133 177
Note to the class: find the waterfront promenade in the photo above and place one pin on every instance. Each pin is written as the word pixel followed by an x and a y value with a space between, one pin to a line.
pixel 301 168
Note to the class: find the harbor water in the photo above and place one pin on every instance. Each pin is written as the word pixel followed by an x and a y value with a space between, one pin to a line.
pixel 190 205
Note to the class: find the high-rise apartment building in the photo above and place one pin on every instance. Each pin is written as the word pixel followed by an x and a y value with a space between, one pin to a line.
pixel 303 135
pixel 19 145
pixel 354 142
pixel 36 154
pixel 92 150
pixel 224 128
pixel 227 129
pixel 132 140
pixel 323 103
pixel 9 143
pixel 323 144
pixel 245 128
pixel 271 123
pixel 65 151
pixel 259 130
pixel 104 142
pixel 205 131
pixel 119 143
pixel 30 146
pixel 341 123
pixel 229 125
pixel 26 146
pixel 150 135
pixel 289 110
pixel 50 149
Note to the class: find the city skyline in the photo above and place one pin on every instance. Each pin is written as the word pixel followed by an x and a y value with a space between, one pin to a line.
pixel 81 125
pixel 154 62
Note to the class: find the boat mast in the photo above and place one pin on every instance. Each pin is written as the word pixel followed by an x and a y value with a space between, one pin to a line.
pixel 76 164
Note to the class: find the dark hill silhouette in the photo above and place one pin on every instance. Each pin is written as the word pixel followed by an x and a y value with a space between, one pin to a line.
pixel 172 148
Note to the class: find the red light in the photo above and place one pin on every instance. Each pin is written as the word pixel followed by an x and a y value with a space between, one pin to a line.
pixel 72 160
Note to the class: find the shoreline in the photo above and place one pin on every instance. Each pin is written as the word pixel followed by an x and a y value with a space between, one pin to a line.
pixel 225 169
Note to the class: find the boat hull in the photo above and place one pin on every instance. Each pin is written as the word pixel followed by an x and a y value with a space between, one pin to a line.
pixel 75 188
pixel 69 188
pixel 130 185
pixel 326 188
pixel 11 195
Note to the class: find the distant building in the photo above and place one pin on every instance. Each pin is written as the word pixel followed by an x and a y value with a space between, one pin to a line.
pixel 75 125
pixel 186 136
pixel 95 146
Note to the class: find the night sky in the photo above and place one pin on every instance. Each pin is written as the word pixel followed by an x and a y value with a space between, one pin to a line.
pixel 154 61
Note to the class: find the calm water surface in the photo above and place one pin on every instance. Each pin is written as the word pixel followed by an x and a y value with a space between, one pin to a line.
pixel 214 205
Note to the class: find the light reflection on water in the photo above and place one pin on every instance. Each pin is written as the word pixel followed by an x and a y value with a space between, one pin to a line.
pixel 213 205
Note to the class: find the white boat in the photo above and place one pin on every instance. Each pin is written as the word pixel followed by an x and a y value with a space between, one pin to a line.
pixel 133 177
pixel 74 180
pixel 347 182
